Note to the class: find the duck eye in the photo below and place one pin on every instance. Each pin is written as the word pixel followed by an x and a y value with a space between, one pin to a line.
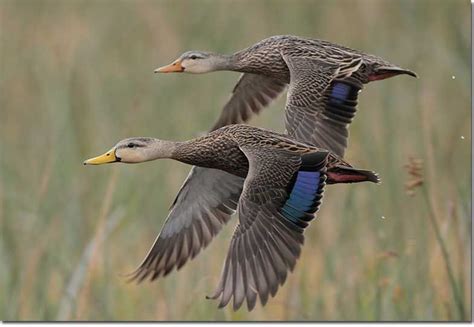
pixel 131 145
pixel 193 57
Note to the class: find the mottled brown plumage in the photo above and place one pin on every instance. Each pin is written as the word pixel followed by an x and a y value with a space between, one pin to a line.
pixel 312 68
pixel 324 81
pixel 270 231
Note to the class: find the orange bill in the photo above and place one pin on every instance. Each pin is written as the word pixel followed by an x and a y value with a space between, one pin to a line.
pixel 174 67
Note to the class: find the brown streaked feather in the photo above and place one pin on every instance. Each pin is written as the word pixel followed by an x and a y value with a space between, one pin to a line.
pixel 309 116
pixel 250 95
pixel 267 59
pixel 205 203
pixel 264 246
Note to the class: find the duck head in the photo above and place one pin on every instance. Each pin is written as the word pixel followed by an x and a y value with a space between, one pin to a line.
pixel 195 62
pixel 135 150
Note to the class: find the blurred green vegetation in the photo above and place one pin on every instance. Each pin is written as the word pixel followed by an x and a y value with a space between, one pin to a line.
pixel 77 76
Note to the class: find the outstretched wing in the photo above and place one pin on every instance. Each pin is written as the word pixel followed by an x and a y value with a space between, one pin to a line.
pixel 281 194
pixel 206 201
pixel 250 95
pixel 208 197
pixel 321 101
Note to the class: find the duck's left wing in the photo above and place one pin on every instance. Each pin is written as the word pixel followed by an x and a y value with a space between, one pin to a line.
pixel 250 95
pixel 321 101
pixel 204 204
pixel 280 196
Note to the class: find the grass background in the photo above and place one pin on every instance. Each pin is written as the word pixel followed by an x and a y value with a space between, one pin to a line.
pixel 77 76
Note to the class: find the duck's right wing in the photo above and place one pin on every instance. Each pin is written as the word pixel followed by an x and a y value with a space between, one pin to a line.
pixel 281 193
pixel 205 202
pixel 321 101
pixel 250 95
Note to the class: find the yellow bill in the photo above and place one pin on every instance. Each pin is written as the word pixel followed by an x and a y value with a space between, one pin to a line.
pixel 175 67
pixel 107 157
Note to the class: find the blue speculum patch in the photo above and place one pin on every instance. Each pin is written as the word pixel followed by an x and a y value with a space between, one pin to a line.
pixel 302 196
pixel 340 92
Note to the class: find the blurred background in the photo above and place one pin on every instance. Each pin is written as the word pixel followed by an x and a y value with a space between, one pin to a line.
pixel 77 76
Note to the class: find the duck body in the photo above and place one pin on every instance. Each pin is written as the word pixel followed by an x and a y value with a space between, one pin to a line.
pixel 281 188
pixel 323 81
pixel 267 58
pixel 222 149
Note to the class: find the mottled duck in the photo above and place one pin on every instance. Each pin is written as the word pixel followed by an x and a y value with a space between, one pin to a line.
pixel 283 182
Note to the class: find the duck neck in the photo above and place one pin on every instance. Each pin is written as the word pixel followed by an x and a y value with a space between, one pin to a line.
pixel 248 61
pixel 225 62
pixel 197 152
pixel 162 149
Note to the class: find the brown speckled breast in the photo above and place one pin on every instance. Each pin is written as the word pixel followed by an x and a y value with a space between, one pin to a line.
pixel 216 150
pixel 221 149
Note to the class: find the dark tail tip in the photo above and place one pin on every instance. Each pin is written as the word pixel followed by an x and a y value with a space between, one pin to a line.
pixel 343 174
pixel 409 72
pixel 372 176
pixel 387 72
